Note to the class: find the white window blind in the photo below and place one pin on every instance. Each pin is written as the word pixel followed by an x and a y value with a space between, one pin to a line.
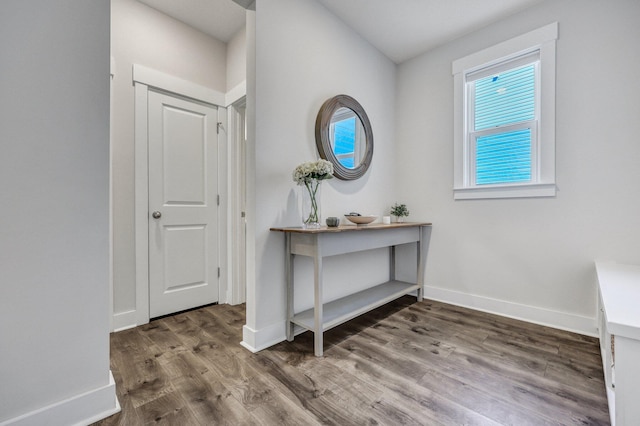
pixel 503 117
pixel 344 132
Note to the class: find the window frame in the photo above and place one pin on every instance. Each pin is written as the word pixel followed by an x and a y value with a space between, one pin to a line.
pixel 542 184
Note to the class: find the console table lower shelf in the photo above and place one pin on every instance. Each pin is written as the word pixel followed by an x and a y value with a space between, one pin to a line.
pixel 342 310
pixel 324 242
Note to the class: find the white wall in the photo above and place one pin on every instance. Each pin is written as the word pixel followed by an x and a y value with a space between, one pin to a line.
pixel 142 35
pixel 305 55
pixel 237 59
pixel 533 258
pixel 54 183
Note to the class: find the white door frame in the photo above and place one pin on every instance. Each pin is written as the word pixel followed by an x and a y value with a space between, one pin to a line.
pixel 111 306
pixel 145 79
pixel 237 196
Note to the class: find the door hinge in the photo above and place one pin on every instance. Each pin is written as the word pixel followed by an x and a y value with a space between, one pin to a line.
pixel 243 214
pixel 218 272
pixel 218 126
pixel 218 199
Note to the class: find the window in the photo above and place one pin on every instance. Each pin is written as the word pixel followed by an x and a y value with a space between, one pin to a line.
pixel 347 134
pixel 345 137
pixel 505 119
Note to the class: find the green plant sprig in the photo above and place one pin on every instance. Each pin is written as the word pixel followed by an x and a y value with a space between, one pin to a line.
pixel 399 210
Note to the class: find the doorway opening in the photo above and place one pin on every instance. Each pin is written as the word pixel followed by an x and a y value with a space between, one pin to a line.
pixel 207 67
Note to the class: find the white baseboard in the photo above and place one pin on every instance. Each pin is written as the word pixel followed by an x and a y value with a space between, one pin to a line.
pixel 257 340
pixel 554 319
pixel 124 320
pixel 83 409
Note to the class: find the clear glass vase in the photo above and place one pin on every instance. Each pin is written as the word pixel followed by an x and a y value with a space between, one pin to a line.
pixel 311 211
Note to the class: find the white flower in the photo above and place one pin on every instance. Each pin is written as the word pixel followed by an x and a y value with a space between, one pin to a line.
pixel 320 170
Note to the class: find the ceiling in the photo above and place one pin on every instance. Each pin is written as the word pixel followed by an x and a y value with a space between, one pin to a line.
pixel 221 19
pixel 401 29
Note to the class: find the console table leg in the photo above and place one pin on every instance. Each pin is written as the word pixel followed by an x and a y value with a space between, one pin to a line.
pixel 392 263
pixel 422 249
pixel 420 271
pixel 288 264
pixel 318 314
pixel 317 344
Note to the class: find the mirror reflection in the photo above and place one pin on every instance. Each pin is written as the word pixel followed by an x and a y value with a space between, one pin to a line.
pixel 348 140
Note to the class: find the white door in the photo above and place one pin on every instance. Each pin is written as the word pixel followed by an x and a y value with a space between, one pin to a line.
pixel 183 211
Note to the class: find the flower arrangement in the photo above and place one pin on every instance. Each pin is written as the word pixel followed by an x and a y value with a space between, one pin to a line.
pixel 320 170
pixel 399 211
pixel 310 174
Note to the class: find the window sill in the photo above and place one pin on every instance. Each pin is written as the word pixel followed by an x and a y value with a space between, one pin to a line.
pixel 505 191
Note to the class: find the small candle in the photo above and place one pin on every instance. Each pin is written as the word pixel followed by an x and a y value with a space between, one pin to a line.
pixel 386 220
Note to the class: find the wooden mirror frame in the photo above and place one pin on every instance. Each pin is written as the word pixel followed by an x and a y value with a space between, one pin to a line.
pixel 323 139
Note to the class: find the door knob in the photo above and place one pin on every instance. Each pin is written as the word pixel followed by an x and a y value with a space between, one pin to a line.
pixel 156 215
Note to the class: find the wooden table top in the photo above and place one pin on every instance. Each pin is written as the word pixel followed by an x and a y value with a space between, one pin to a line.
pixel 350 228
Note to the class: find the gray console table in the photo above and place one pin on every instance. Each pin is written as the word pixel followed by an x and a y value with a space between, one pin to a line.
pixel 324 242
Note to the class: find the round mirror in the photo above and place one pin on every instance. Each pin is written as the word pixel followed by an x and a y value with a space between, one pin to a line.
pixel 344 137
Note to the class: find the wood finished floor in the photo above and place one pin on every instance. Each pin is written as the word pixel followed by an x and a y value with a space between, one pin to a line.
pixel 411 363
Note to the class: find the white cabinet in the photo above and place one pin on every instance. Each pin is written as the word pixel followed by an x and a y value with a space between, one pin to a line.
pixel 619 326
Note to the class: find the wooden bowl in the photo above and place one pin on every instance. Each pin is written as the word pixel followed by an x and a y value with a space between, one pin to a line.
pixel 361 220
